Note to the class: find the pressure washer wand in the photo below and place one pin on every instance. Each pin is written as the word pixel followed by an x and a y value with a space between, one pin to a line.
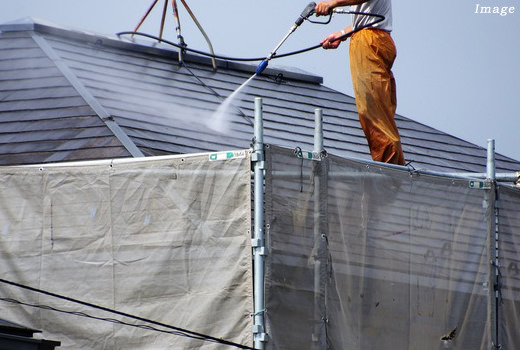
pixel 263 65
pixel 306 13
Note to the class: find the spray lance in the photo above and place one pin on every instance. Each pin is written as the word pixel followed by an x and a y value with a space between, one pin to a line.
pixel 306 13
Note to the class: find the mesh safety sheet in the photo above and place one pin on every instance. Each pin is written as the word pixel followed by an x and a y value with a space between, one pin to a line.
pixel 167 239
pixel 509 267
pixel 370 257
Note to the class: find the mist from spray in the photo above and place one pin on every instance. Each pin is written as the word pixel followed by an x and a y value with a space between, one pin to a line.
pixel 159 103
pixel 156 102
pixel 221 119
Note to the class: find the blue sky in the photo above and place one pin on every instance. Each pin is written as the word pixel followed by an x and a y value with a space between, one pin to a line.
pixel 456 70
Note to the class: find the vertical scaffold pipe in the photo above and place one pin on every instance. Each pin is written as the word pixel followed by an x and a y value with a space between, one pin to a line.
pixel 318 147
pixel 318 130
pixel 258 243
pixel 492 235
pixel 491 168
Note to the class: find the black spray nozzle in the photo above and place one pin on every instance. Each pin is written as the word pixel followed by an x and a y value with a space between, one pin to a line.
pixel 306 13
pixel 261 67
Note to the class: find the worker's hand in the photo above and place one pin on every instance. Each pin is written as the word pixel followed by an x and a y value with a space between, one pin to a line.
pixel 323 8
pixel 329 42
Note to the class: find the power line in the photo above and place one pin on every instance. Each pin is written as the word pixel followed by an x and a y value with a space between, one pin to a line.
pixel 176 330
pixel 86 315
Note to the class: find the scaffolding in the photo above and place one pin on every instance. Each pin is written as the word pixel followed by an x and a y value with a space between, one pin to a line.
pixel 266 248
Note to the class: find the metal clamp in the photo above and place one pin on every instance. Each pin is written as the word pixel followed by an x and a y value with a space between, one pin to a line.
pixel 259 333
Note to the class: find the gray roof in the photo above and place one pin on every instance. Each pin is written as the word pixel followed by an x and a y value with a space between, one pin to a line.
pixel 73 95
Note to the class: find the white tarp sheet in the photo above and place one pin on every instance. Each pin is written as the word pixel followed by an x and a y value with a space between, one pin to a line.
pixel 166 239
pixel 359 257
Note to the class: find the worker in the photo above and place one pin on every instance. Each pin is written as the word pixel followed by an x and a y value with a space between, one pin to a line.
pixel 372 54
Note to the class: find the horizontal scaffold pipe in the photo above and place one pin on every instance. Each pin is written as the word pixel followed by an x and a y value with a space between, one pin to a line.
pixel 501 177
pixel 276 174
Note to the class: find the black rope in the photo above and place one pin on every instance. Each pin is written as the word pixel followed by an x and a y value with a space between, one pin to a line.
pixel 180 331
pixel 299 153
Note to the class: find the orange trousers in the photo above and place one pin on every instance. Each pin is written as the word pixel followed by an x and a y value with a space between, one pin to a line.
pixel 372 54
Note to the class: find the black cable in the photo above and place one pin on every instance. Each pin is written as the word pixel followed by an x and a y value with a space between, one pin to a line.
pixel 203 53
pixel 181 331
pixel 379 18
pixel 84 314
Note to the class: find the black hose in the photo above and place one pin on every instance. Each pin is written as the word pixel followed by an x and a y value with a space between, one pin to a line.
pixel 379 18
pixel 203 53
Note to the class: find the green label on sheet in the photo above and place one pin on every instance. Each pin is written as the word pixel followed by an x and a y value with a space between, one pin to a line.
pixel 308 155
pixel 479 185
pixel 227 155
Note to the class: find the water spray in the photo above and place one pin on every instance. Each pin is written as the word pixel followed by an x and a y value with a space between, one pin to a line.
pixel 306 13
pixel 219 120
